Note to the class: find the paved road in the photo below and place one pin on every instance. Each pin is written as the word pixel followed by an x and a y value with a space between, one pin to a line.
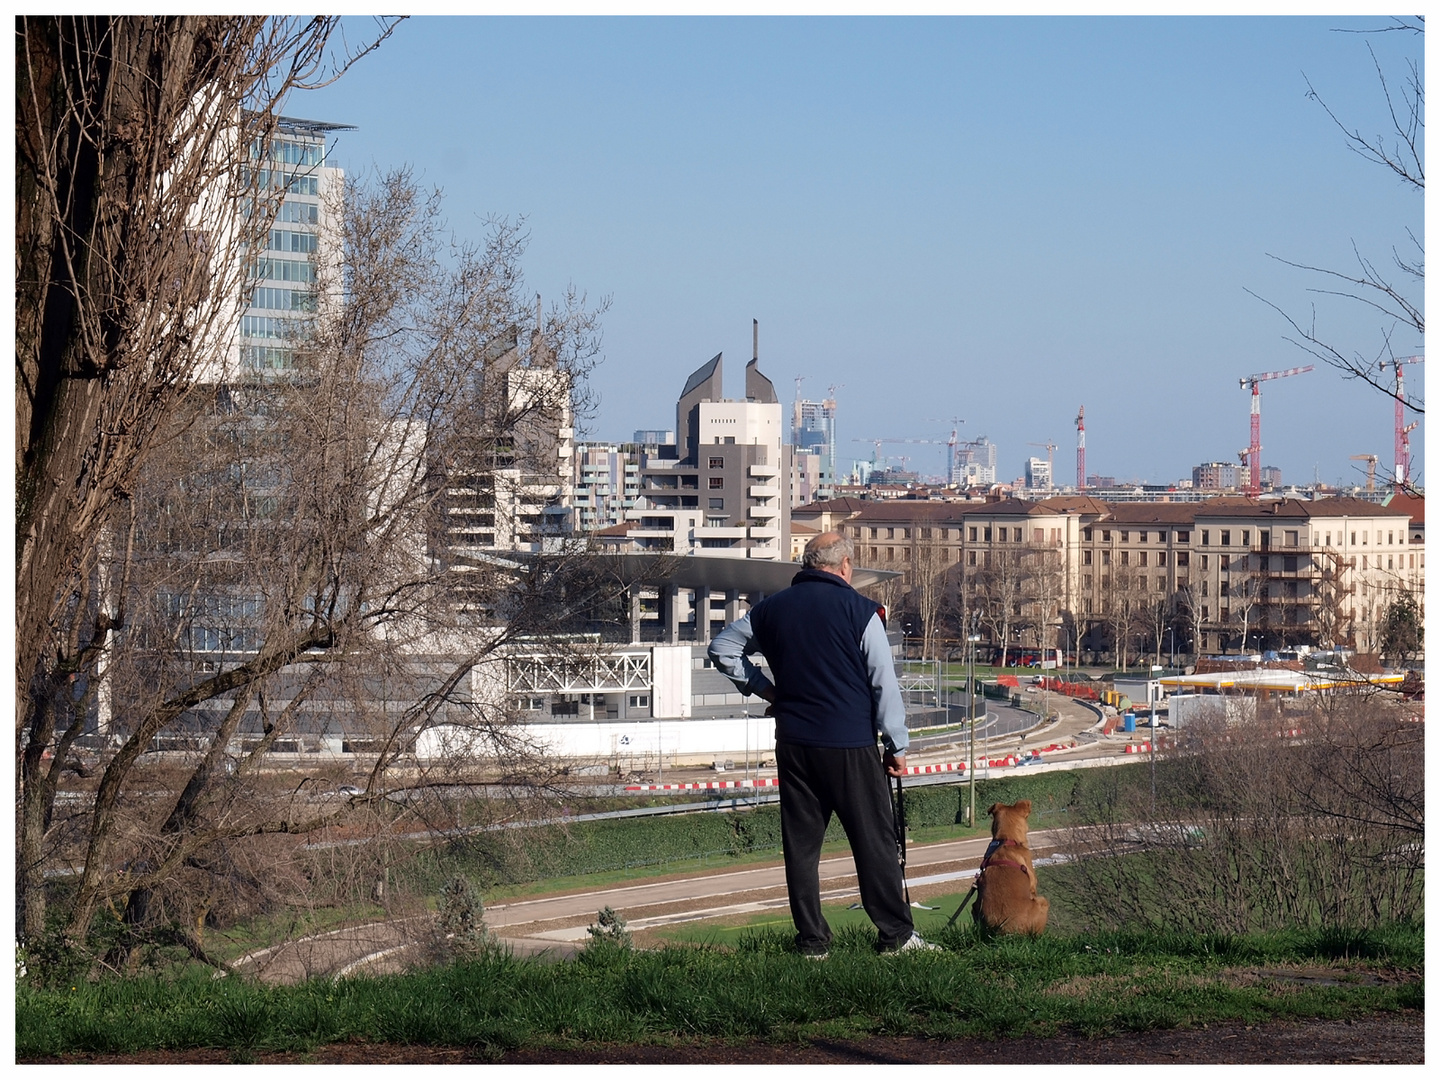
pixel 557 924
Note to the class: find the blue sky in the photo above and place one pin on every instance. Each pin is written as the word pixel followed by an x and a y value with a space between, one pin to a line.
pixel 1000 219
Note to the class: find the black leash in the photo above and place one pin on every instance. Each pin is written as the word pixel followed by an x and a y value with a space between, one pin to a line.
pixel 973 889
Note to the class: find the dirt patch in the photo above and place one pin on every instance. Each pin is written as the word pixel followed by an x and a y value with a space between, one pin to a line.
pixel 1397 1039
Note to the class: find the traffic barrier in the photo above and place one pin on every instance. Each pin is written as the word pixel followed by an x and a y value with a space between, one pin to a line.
pixel 774 781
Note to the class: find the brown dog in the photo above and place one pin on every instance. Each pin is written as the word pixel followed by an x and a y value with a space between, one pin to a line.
pixel 1008 902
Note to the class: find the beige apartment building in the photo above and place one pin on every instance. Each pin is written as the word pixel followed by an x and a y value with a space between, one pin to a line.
pixel 1223 574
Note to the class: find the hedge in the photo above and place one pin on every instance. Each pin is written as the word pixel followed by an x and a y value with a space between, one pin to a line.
pixel 512 858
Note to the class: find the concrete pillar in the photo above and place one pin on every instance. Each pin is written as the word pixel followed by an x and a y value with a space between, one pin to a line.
pixel 670 612
pixel 732 605
pixel 635 615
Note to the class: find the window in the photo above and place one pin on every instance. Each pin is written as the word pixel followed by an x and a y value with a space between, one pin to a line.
pixel 1142 538
pixel 715 522
pixel 1089 534
pixel 987 534
pixel 1391 562
pixel 970 560
pixel 1144 556
pixel 1182 537
pixel 1204 562
pixel 1039 536
pixel 1365 562
pixel 1105 534
pixel 1205 536
pixel 1391 539
pixel 1088 581
pixel 1104 558
pixel 1224 537
pixel 1004 535
pixel 1125 537
pixel 1365 537
pixel 717 463
pixel 1086 558
pixel 716 483
pixel 1144 583
pixel 890 554
pixel 729 440
pixel 638 701
pixel 1160 558
pixel 973 531
pixel 874 533
pixel 1245 537
pixel 1182 558
pixel 717 504
pixel 1204 588
pixel 1124 558
pixel 1292 537
pixel 1352 537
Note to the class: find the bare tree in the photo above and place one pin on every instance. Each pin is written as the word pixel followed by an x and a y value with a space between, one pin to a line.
pixel 1398 299
pixel 131 223
pixel 1192 609
pixel 289 582
pixel 926 580
pixel 1245 592
pixel 1000 592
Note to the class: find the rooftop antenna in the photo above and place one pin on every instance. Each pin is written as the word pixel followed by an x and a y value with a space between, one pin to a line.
pixel 755 340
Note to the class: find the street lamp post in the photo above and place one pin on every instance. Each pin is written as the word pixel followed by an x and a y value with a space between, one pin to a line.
pixel 970 701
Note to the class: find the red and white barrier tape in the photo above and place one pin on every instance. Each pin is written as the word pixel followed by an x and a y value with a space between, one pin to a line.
pixel 774 781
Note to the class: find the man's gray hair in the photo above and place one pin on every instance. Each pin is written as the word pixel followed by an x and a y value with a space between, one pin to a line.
pixel 831 553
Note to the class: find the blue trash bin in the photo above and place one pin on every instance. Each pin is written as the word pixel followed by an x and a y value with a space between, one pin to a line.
pixel 1129 721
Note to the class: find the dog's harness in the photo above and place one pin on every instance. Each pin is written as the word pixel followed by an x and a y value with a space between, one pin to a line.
pixel 995 847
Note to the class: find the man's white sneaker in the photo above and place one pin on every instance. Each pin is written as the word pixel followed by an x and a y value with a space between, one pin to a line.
pixel 915 943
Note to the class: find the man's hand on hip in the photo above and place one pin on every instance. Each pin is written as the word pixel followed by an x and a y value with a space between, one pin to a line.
pixel 894 763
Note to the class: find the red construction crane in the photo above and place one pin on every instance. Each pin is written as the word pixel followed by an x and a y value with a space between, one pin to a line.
pixel 1251 456
pixel 1402 430
pixel 1080 450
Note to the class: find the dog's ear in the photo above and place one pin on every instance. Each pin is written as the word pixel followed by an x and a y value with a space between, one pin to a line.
pixel 1023 807
pixel 993 808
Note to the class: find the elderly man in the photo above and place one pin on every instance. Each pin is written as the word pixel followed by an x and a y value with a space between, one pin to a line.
pixel 834 687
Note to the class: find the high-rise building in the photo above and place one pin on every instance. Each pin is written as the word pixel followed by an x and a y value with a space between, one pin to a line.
pixel 975 462
pixel 724 492
pixel 304 241
pixel 812 429
pixel 1037 474
pixel 607 483
pixel 1216 476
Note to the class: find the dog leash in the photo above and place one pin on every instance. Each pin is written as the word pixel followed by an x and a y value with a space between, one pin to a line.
pixel 995 845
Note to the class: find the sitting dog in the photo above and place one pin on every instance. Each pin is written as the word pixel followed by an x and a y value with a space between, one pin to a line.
pixel 1007 901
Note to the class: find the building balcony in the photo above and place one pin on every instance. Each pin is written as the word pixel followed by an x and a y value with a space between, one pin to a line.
pixel 719 532
pixel 767 491
pixel 763 511
pixel 766 532
pixel 764 471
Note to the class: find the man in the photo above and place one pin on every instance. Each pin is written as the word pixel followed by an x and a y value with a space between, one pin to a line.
pixel 834 686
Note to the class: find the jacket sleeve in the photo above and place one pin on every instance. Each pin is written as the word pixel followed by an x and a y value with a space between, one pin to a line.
pixel 729 653
pixel 884 688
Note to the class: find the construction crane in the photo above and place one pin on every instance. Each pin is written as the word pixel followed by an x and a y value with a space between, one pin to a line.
pixel 1049 458
pixel 1371 460
pixel 1402 431
pixel 952 443
pixel 1251 456
pixel 1080 450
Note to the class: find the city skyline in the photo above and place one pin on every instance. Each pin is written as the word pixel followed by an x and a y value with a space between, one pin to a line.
pixel 994 219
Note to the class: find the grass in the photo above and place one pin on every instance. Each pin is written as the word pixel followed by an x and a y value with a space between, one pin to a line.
pixel 755 987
